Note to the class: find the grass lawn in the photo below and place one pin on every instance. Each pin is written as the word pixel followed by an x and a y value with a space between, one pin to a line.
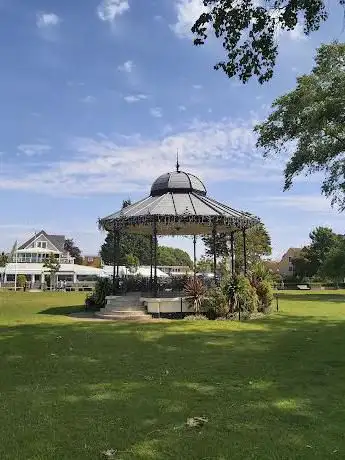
pixel 270 389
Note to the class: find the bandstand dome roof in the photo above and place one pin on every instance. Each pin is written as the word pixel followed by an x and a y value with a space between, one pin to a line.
pixel 178 205
pixel 177 182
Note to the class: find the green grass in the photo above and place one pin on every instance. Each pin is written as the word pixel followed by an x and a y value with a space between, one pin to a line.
pixel 271 388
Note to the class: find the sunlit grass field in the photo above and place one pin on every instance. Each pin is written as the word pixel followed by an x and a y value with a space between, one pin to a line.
pixel 272 388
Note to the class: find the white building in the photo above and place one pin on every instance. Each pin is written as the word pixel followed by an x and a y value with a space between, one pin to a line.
pixel 29 258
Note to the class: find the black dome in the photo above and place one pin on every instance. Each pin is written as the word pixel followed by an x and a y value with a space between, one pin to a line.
pixel 177 182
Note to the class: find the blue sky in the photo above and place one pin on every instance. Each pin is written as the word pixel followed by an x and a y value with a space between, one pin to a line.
pixel 96 97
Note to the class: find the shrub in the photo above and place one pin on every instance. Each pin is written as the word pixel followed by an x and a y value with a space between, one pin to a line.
pixel 247 299
pixel 195 291
pixel 21 280
pixel 216 303
pixel 196 318
pixel 265 295
pixel 96 300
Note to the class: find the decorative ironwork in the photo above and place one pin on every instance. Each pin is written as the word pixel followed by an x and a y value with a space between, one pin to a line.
pixel 244 251
pixel 143 224
pixel 232 252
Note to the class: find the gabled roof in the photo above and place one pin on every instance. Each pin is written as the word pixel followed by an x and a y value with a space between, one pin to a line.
pixel 57 240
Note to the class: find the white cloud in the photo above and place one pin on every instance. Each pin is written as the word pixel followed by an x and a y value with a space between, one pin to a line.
pixel 127 66
pixel 297 33
pixel 33 149
pixel 108 10
pixel 188 11
pixel 156 112
pixel 217 151
pixel 47 20
pixel 197 86
pixel 307 203
pixel 182 108
pixel 135 98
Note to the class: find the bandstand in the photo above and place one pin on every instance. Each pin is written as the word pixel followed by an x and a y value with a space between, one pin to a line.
pixel 178 205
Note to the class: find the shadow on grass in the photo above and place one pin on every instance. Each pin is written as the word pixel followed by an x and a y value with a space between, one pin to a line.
pixel 269 389
pixel 62 310
pixel 340 298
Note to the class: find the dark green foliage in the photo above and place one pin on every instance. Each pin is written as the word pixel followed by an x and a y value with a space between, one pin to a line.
pixel 204 265
pixel 4 259
pixel 173 256
pixel 233 295
pixel 96 300
pixel 216 304
pixel 247 299
pixel 309 122
pixel 258 244
pixel 137 245
pixel 21 280
pixel 265 295
pixel 248 31
pixel 74 251
pixel 195 291
pixel 333 266
pixel 312 258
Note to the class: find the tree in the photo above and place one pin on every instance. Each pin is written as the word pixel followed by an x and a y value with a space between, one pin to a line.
pixel 3 259
pixel 21 280
pixel 308 124
pixel 134 244
pixel 312 257
pixel 173 256
pixel 132 263
pixel 53 266
pixel 258 244
pixel 204 265
pixel 73 251
pixel 333 266
pixel 249 31
pixel 302 266
pixel 323 239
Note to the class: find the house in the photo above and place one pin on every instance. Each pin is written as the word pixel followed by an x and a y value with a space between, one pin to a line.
pixel 28 259
pixel 41 246
pixel 284 267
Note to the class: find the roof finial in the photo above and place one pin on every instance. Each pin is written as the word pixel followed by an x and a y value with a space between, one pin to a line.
pixel 177 163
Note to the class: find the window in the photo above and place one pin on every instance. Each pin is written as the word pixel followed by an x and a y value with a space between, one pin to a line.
pixel 41 244
pixel 290 269
pixel 90 259
pixel 290 259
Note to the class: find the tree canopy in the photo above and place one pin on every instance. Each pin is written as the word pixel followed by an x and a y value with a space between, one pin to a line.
pixel 258 244
pixel 308 124
pixel 173 256
pixel 4 259
pixel 137 246
pixel 312 258
pixel 249 31
pixel 73 250
pixel 333 266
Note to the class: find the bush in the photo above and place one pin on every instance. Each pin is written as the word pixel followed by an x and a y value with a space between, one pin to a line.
pixel 216 303
pixel 247 299
pixel 196 318
pixel 96 300
pixel 195 291
pixel 265 295
pixel 21 280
